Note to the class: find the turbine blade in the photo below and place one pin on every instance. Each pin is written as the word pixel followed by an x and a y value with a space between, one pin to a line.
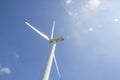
pixel 57 66
pixel 52 30
pixel 37 31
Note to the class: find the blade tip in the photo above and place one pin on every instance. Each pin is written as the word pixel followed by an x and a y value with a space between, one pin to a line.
pixel 26 22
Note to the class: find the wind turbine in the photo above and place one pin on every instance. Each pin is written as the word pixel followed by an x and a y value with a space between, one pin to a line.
pixel 51 56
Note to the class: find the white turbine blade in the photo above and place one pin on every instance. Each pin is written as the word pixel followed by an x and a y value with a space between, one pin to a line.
pixel 37 31
pixel 52 30
pixel 57 66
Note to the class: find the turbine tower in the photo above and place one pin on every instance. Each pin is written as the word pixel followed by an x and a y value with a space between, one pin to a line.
pixel 51 56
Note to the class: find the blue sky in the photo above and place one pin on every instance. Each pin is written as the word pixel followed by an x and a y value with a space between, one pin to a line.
pixel 91 29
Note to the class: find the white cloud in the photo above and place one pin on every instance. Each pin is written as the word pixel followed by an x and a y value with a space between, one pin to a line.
pixel 93 4
pixel 116 19
pixel 5 71
pixel 90 7
pixel 81 8
pixel 16 55
pixel 70 13
pixel 68 1
pixel 90 29
pixel 81 14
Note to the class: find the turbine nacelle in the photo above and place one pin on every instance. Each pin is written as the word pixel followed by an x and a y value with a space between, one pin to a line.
pixel 56 40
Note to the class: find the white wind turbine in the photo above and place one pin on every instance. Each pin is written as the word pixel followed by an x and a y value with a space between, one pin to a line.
pixel 47 69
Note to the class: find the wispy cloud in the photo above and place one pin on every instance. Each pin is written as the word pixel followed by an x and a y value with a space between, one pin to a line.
pixel 91 5
pixel 5 71
pixel 90 29
pixel 81 14
pixel 68 1
pixel 79 9
pixel 16 55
